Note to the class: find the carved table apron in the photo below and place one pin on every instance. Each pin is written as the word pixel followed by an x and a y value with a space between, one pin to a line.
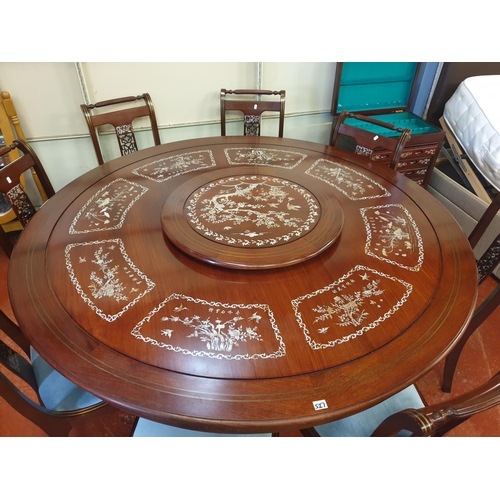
pixel 242 284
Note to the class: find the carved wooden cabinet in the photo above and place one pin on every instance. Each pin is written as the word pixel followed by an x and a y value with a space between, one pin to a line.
pixel 386 90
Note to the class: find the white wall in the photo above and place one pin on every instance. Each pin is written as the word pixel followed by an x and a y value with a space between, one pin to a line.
pixel 48 95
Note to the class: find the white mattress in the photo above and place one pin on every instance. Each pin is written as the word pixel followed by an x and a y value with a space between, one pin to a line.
pixel 473 115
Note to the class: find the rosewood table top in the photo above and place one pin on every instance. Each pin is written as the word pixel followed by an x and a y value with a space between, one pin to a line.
pixel 242 284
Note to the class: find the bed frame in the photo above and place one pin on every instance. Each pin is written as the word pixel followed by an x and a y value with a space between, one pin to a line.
pixel 463 164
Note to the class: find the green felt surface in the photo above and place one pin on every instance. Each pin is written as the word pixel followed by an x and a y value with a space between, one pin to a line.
pixel 373 87
pixel 402 120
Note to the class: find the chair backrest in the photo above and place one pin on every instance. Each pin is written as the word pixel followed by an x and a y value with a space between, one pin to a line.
pixel 13 189
pixel 252 109
pixel 26 400
pixel 491 257
pixel 439 419
pixel 486 265
pixel 385 150
pixel 11 129
pixel 121 120
pixel 13 359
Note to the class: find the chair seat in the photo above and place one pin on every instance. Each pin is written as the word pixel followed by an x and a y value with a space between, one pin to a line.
pixel 148 428
pixel 57 392
pixel 364 423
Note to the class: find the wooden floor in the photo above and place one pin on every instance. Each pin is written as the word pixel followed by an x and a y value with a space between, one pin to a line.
pixel 479 361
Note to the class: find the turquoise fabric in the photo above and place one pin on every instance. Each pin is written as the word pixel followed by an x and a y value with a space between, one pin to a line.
pixel 56 391
pixel 375 86
pixel 364 423
pixel 148 428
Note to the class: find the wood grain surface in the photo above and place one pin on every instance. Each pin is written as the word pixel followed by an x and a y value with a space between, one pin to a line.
pixel 242 284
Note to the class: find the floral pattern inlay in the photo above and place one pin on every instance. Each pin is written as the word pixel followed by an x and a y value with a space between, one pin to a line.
pixel 107 209
pixel 195 327
pixel 167 168
pixel 242 210
pixel 352 183
pixel 21 203
pixel 489 260
pixel 393 236
pixel 126 138
pixel 113 284
pixel 357 302
pixel 264 157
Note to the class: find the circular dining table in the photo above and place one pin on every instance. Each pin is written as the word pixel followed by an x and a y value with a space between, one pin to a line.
pixel 242 284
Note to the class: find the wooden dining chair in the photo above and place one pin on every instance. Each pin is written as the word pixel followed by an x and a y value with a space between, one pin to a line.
pixel 486 264
pixel 13 189
pixel 40 393
pixel 121 120
pixel 405 414
pixel 11 129
pixel 252 109
pixel 364 140
pixel 439 419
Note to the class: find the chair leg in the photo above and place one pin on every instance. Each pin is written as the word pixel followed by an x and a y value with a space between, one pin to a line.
pixel 5 243
pixel 450 366
pixel 481 313
pixel 451 361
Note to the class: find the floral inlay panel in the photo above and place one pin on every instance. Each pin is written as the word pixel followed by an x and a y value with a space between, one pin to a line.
pixel 21 203
pixel 355 185
pixel 196 327
pixel 126 138
pixel 247 208
pixel 107 209
pixel 489 260
pixel 166 168
pixel 264 157
pixel 113 283
pixel 349 307
pixel 393 236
